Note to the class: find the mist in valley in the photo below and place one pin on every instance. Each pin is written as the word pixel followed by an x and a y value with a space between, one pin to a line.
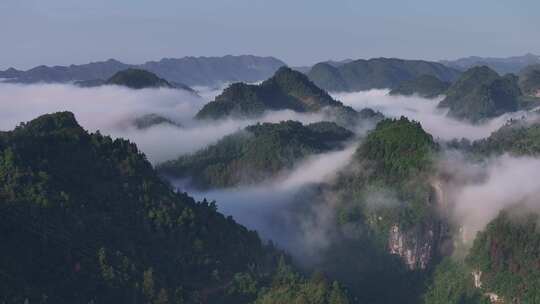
pixel 477 193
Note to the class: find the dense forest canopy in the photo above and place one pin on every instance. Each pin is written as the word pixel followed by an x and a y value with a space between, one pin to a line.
pixel 256 153
pixel 85 218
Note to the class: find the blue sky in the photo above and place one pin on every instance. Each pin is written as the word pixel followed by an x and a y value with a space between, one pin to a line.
pixel 300 32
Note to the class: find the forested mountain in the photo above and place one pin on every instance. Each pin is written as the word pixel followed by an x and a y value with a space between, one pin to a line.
pixel 501 266
pixel 150 120
pixel 138 79
pixel 192 71
pixel 426 86
pixel 481 93
pixel 85 219
pixel 502 65
pixel 386 233
pixel 256 153
pixel 377 73
pixel 287 89
pixel 529 80
pixel 134 79
pixel 517 137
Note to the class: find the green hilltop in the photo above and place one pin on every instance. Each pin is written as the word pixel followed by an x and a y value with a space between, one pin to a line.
pixel 256 153
pixel 86 219
pixel 286 90
pixel 481 93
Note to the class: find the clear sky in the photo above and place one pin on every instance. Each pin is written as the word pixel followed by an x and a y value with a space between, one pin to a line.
pixel 300 32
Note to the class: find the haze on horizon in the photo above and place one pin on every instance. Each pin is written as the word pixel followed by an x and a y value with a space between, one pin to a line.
pixel 61 32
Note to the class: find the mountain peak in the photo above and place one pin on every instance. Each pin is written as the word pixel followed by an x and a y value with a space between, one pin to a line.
pixel 138 79
pixel 51 123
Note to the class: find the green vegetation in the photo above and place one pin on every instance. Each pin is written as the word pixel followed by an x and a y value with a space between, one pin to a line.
pixel 288 287
pixel 150 120
pixel 481 93
pixel 517 137
pixel 258 152
pixel 507 252
pixel 86 219
pixel 394 161
pixel 287 89
pixel 453 283
pixel 399 149
pixel 377 73
pixel 137 79
pixel 427 86
pixel 529 80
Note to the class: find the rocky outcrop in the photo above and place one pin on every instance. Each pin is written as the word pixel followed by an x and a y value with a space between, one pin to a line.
pixel 493 297
pixel 417 247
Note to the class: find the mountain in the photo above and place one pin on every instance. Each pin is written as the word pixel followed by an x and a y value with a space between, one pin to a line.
pixel 529 80
pixel 387 231
pixel 256 153
pixel 377 73
pixel 210 71
pixel 501 266
pixel 134 79
pixel 500 65
pixel 517 137
pixel 286 90
pixel 192 71
pixel 334 63
pixel 138 79
pixel 150 120
pixel 481 93
pixel 94 70
pixel 85 219
pixel 426 86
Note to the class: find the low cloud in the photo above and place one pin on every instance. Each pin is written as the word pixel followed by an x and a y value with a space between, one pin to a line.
pixel 272 207
pixel 433 119
pixel 111 108
pixel 492 186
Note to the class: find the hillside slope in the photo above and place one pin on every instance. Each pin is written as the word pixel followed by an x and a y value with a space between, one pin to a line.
pixel 256 153
pixel 86 219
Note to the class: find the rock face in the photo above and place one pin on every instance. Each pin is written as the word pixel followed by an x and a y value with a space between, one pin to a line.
pixel 417 247
pixel 493 297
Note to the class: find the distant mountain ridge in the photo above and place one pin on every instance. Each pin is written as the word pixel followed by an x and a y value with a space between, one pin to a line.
pixel 501 65
pixel 192 71
pixel 375 73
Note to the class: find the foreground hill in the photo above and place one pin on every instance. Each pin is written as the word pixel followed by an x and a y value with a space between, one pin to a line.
pixel 256 153
pixel 192 71
pixel 86 219
pixel 426 86
pixel 481 93
pixel 286 90
pixel 501 266
pixel 377 73
pixel 387 233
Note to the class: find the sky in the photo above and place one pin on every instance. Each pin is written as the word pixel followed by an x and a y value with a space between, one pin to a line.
pixel 299 32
